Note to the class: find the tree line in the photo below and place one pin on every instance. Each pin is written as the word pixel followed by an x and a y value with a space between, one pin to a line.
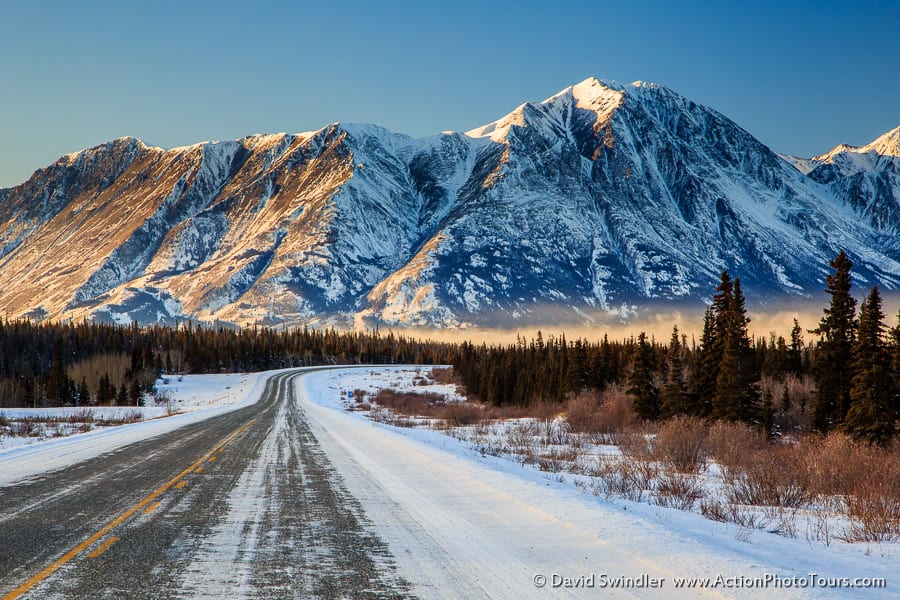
pixel 848 377
pixel 66 364
pixel 851 370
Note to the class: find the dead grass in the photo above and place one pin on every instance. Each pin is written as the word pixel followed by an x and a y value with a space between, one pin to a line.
pixel 842 489
pixel 80 421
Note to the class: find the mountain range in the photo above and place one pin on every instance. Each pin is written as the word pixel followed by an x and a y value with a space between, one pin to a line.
pixel 600 202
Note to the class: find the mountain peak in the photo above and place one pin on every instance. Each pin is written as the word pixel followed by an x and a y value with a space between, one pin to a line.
pixel 589 92
pixel 887 144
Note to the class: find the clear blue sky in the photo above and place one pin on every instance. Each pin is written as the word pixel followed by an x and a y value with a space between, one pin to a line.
pixel 801 76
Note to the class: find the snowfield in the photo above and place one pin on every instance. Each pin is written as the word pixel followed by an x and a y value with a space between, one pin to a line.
pixel 480 525
pixel 462 523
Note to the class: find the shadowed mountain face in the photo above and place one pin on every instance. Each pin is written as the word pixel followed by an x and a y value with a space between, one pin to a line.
pixel 598 202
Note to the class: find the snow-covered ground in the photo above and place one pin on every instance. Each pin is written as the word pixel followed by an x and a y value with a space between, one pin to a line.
pixel 461 522
pixel 192 397
pixel 459 519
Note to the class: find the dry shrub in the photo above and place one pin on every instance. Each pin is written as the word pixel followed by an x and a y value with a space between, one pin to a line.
pixel 459 413
pixel 838 465
pixel 678 491
pixel 409 403
pixel 444 375
pixel 557 460
pixel 785 520
pixel 733 446
pixel 771 478
pixel 625 477
pixel 714 510
pixel 681 444
pixel 542 410
pixel 429 405
pixel 874 512
pixel 616 412
pixel 636 445
pixel 131 416
pixel 582 413
pixel 601 415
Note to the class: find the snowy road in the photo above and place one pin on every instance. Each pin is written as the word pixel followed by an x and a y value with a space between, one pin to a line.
pixel 294 497
pixel 240 505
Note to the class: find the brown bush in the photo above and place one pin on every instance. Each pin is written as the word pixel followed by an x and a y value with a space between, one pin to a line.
pixel 459 413
pixel 601 415
pixel 635 444
pixel 616 412
pixel 838 465
pixel 678 491
pixel 430 405
pixel 770 478
pixel 444 375
pixel 681 444
pixel 733 445
pixel 543 410
pixel 409 403
pixel 624 476
pixel 874 512
pixel 583 413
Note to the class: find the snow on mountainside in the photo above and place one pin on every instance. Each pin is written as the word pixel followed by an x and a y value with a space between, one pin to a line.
pixel 602 199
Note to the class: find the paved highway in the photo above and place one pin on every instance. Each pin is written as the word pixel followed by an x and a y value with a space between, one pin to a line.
pixel 245 504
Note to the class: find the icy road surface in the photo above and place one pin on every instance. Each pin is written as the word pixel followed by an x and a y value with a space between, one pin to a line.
pixel 291 496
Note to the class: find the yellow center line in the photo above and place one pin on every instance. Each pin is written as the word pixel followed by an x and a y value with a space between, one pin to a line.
pixel 212 458
pixel 68 556
pixel 198 469
pixel 180 485
pixel 102 547
pixel 152 507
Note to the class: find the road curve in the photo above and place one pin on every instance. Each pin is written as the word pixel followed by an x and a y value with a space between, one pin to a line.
pixel 242 505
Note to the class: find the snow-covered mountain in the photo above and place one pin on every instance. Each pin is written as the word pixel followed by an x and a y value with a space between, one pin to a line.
pixel 592 204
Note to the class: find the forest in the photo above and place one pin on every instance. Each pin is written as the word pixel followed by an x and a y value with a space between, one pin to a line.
pixel 846 378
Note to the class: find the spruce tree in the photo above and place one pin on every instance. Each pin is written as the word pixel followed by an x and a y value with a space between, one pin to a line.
pixel 872 388
pixel 834 352
pixel 894 404
pixel 712 347
pixel 84 394
pixel 641 384
pixel 737 396
pixel 674 396
pixel 795 351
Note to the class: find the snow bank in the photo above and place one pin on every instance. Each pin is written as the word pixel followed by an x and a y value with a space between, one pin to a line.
pixel 200 396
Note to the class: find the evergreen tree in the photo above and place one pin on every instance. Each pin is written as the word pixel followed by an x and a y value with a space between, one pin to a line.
pixel 641 384
pixel 795 351
pixel 767 416
pixel 894 405
pixel 84 394
pixel 135 392
pixel 106 392
pixel 712 347
pixel 834 352
pixel 674 396
pixel 737 395
pixel 706 368
pixel 872 388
